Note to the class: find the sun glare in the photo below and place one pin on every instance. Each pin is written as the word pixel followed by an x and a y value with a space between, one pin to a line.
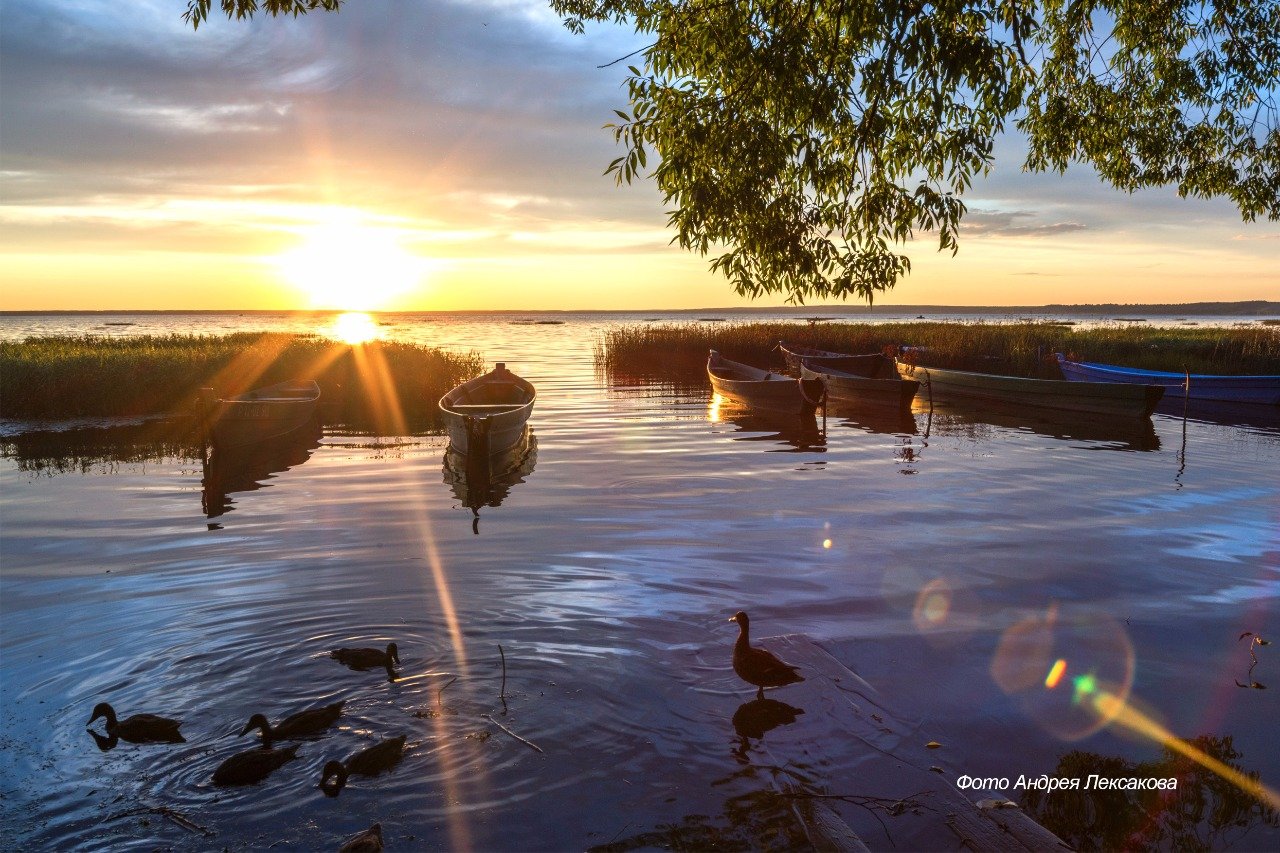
pixel 355 328
pixel 350 266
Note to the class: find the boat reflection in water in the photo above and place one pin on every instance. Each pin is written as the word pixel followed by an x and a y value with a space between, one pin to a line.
pixel 978 419
pixel 1263 419
pixel 871 417
pixel 793 432
pixel 248 467
pixel 479 479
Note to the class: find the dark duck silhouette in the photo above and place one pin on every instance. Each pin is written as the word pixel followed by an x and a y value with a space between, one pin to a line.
pixel 302 724
pixel 367 658
pixel 367 762
pixel 757 666
pixel 369 841
pixel 140 728
pixel 246 768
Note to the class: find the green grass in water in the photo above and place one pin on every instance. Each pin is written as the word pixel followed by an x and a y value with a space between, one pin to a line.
pixel 1022 349
pixel 92 376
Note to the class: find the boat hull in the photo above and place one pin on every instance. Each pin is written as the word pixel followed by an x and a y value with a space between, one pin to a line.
pixel 1103 398
pixel 759 388
pixel 263 414
pixel 1254 390
pixel 487 415
pixel 871 365
pixel 851 388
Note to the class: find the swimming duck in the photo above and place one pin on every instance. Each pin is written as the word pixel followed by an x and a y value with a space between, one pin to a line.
pixel 140 728
pixel 367 658
pixel 309 722
pixel 369 841
pixel 367 762
pixel 757 666
pixel 246 768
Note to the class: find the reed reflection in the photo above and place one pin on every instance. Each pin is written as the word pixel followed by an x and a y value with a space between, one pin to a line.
pixel 478 479
pixel 247 468
pixel 101 446
pixel 1206 811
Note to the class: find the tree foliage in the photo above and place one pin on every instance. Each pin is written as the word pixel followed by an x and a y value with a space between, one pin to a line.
pixel 804 143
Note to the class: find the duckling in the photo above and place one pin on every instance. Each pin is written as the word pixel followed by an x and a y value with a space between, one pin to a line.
pixel 367 762
pixel 367 658
pixel 140 728
pixel 757 666
pixel 369 841
pixel 246 768
pixel 309 722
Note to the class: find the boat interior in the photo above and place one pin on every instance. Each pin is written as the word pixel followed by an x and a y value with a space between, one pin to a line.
pixel 489 398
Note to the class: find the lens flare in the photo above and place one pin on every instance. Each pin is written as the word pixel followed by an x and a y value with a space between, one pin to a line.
pixel 1055 674
pixel 1093 646
pixel 933 605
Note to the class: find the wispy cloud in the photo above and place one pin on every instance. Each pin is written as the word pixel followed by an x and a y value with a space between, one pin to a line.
pixel 1017 223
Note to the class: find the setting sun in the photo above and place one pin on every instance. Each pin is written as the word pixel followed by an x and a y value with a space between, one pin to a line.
pixel 347 265
pixel 355 328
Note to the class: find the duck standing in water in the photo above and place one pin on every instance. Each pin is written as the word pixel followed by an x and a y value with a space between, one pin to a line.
pixel 367 762
pixel 304 723
pixel 246 768
pixel 757 666
pixel 367 658
pixel 140 728
pixel 369 841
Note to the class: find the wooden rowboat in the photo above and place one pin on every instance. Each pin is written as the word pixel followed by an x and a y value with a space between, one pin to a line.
pixel 1104 398
pixel 871 364
pixel 262 414
pixel 1261 390
pixel 850 387
pixel 761 388
pixel 487 415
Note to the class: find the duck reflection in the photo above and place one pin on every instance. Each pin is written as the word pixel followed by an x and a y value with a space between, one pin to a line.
pixel 753 719
pixel 477 480
pixel 247 468
pixel 793 433
pixel 106 743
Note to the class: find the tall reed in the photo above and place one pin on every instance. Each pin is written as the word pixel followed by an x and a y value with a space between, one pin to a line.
pixel 75 376
pixel 1019 349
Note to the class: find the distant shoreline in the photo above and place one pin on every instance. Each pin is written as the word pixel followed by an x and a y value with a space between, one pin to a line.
pixel 1252 308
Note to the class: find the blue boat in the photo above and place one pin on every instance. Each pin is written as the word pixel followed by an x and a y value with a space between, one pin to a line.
pixel 1260 390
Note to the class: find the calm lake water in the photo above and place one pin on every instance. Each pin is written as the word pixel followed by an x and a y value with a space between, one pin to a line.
pixel 927 553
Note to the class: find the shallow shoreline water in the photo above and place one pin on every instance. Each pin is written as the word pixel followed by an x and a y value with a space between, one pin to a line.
pixel 909 548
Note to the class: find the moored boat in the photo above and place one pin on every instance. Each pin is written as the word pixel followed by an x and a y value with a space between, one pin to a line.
pixel 872 364
pixel 1261 390
pixel 761 388
pixel 487 415
pixel 850 387
pixel 264 413
pixel 1104 398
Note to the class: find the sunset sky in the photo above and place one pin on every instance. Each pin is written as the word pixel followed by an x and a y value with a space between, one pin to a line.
pixel 440 155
